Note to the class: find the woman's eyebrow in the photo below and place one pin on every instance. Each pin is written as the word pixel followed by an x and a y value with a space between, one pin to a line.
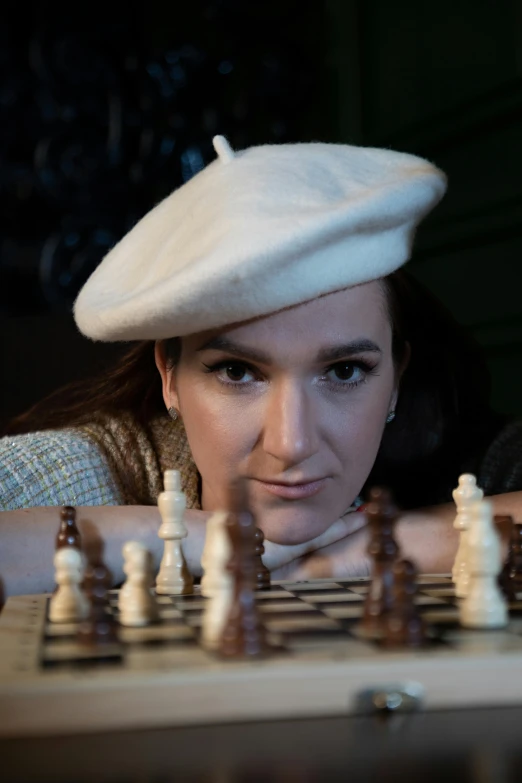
pixel 229 346
pixel 328 354
pixel 335 352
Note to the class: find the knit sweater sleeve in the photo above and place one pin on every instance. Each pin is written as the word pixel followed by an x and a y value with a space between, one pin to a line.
pixel 54 468
pixel 501 467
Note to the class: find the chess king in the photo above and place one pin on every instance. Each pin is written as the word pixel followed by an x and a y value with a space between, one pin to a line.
pixel 276 337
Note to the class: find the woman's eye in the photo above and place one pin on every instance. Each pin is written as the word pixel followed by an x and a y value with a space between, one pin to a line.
pixel 344 372
pixel 236 373
pixel 347 371
pixel 231 373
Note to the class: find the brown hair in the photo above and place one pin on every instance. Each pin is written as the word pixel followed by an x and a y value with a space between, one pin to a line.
pixel 132 384
pixel 443 422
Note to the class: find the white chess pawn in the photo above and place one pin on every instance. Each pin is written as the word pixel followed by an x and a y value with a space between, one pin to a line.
pixel 136 602
pixel 217 582
pixel 69 604
pixel 465 496
pixel 484 605
pixel 173 577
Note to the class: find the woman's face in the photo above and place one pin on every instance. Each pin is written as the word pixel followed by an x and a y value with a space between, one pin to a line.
pixel 295 402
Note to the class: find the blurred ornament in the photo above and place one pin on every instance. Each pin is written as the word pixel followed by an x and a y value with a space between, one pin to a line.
pixel 103 116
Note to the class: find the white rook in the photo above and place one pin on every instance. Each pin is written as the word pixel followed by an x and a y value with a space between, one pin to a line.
pixel 174 577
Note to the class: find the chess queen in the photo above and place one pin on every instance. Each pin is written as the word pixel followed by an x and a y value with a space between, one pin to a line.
pixel 275 336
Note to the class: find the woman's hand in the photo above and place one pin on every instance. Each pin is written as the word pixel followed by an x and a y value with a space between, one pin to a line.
pixel 426 536
pixel 340 550
pixel 345 559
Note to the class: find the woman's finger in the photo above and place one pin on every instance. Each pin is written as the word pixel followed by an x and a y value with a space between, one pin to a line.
pixel 341 528
pixel 277 555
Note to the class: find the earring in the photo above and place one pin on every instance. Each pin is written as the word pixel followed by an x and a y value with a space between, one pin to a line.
pixel 173 413
pixel 390 417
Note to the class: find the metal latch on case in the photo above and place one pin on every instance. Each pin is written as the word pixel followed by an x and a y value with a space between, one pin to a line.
pixel 391 697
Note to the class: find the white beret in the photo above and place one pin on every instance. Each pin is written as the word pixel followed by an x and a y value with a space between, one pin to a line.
pixel 257 231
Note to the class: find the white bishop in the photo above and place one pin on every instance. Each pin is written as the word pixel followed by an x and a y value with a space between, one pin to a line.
pixel 217 581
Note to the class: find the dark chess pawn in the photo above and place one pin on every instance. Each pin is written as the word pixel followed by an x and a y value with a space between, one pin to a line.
pixel 68 534
pixel 243 634
pixel 262 572
pixel 510 578
pixel 99 628
pixel 383 549
pixel 403 625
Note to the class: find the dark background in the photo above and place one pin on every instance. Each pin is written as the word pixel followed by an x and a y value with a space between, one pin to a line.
pixel 106 109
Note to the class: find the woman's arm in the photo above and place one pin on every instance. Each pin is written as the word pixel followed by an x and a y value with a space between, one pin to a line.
pixel 28 536
pixel 27 541
pixel 426 536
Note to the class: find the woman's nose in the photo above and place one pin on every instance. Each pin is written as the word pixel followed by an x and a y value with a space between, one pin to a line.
pixel 290 429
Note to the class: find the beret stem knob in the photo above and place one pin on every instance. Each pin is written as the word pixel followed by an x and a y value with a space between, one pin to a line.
pixel 223 149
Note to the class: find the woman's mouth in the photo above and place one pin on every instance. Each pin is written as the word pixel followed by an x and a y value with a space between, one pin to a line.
pixel 294 491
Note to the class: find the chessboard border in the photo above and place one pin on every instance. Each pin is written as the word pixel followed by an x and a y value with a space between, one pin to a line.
pixel 324 683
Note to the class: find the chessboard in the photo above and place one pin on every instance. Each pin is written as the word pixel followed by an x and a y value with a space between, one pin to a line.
pixel 320 665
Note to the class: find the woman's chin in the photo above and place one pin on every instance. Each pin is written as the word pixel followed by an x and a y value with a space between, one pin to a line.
pixel 290 530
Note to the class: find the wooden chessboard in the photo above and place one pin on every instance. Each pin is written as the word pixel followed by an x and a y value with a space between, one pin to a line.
pixel 161 676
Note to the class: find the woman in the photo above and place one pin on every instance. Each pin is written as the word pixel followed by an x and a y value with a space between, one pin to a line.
pixel 287 346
